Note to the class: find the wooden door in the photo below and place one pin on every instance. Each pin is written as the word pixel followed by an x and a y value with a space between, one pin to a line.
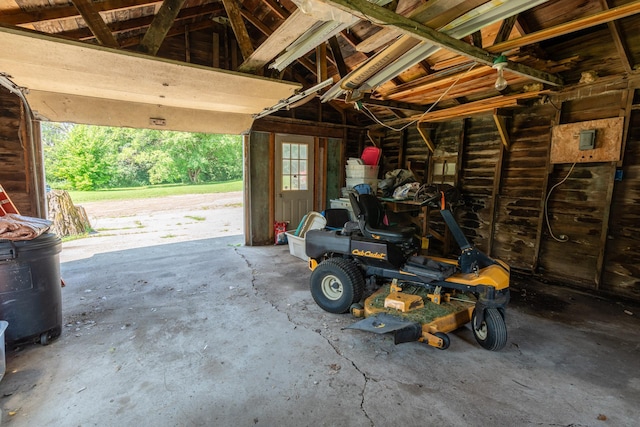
pixel 294 180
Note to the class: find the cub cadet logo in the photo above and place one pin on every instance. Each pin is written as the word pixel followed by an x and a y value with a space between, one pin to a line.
pixel 369 254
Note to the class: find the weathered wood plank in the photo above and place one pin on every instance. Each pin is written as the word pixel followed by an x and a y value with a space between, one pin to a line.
pixel 160 26
pixel 95 23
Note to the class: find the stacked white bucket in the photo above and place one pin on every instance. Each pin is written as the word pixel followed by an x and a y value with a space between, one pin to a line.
pixel 359 173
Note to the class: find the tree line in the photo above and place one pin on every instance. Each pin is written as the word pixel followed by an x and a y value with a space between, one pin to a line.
pixel 83 157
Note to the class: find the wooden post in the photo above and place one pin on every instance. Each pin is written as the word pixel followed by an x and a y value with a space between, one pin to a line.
pixel 500 118
pixel 215 50
pixel 495 195
pixel 321 62
pixel 605 225
pixel 627 102
pixel 401 149
pixel 545 184
pixel 272 183
pixel 246 187
pixel 187 48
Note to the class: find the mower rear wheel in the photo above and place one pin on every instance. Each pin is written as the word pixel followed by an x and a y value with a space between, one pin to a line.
pixel 336 283
pixel 492 333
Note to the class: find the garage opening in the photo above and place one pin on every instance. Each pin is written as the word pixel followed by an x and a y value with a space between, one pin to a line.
pixel 153 186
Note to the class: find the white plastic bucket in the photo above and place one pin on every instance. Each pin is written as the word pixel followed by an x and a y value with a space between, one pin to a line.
pixel 3 362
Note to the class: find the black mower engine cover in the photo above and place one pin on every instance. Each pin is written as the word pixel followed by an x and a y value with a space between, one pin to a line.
pixel 319 243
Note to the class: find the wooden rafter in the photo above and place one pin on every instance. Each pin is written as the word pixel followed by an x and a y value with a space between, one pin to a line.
pixel 568 27
pixel 321 62
pixel 505 29
pixel 62 12
pixel 476 37
pixel 276 8
pixel 95 23
pixel 392 105
pixel 434 13
pixel 382 16
pixel 471 108
pixel 239 29
pixel 175 30
pixel 621 46
pixel 337 56
pixel 264 29
pixel 160 26
pixel 192 13
pixel 283 36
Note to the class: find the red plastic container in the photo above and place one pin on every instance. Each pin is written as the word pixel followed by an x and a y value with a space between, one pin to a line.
pixel 371 156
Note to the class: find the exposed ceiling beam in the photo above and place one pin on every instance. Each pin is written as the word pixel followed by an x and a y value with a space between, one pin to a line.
pixel 337 56
pixel 277 8
pixel 505 29
pixel 476 38
pixel 239 29
pixel 264 29
pixel 95 23
pixel 62 12
pixel 621 46
pixel 175 30
pixel 393 105
pixel 321 62
pixel 433 13
pixel 382 16
pixel 209 10
pixel 160 26
pixel 471 108
pixel 283 36
pixel 568 27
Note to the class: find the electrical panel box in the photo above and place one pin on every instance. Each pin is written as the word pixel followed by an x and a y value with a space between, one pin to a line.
pixel 587 139
pixel 587 142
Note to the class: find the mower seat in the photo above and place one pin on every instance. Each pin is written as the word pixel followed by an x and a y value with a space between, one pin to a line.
pixel 370 213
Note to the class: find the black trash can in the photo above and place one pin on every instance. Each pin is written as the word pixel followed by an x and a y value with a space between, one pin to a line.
pixel 30 295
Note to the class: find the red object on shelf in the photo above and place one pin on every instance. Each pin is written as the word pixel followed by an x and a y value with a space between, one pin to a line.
pixel 6 205
pixel 371 156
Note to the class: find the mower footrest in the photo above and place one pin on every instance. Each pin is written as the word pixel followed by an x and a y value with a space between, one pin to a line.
pixel 428 268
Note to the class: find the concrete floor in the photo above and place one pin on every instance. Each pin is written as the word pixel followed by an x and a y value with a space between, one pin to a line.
pixel 212 333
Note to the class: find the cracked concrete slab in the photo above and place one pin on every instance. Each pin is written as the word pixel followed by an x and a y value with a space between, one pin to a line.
pixel 171 332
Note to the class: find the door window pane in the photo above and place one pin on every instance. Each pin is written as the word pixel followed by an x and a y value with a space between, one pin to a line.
pixel 295 163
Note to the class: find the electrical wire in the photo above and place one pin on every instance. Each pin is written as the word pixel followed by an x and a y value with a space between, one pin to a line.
pixel 563 238
pixel 374 118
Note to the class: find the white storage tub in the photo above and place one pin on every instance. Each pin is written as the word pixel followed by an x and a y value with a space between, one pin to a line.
pixel 313 221
pixel 361 171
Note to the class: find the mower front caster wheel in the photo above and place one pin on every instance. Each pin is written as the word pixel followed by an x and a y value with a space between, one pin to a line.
pixel 492 333
pixel 445 340
pixel 336 283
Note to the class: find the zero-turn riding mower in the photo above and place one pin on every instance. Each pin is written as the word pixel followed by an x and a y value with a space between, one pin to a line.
pixel 419 298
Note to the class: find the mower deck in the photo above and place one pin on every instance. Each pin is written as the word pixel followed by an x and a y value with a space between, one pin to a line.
pixel 434 319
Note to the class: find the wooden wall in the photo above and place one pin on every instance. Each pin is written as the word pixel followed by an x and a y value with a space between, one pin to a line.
pixel 523 178
pixel 505 190
pixel 259 170
pixel 17 159
pixel 258 191
pixel 621 261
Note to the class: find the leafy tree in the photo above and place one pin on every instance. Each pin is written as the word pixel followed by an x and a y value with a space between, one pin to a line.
pixel 88 157
pixel 207 157
pixel 84 159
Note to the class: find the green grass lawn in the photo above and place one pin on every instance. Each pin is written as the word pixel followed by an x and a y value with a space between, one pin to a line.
pixel 153 191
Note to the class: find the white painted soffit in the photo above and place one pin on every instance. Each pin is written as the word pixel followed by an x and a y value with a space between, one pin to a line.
pixel 64 78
